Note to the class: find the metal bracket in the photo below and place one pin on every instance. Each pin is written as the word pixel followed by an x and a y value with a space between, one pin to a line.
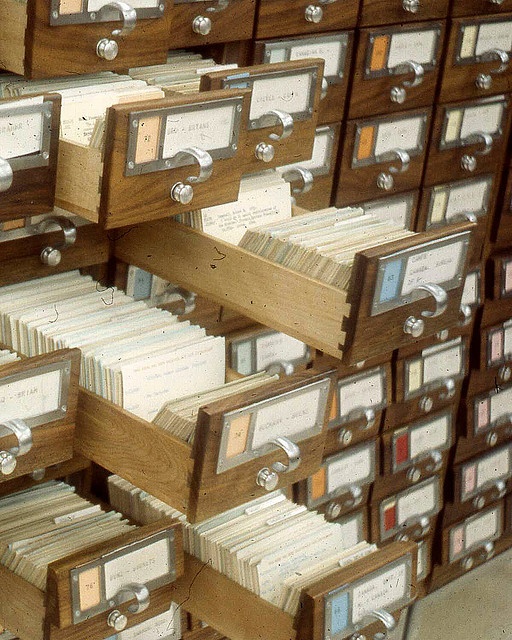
pixel 53 255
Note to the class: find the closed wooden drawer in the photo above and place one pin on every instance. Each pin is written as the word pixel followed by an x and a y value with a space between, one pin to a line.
pixel 278 18
pixel 312 180
pixel 38 399
pixel 410 514
pixel 428 380
pixel 400 209
pixel 472 198
pixel 29 138
pixel 377 12
pixel 468 138
pixel 85 588
pixel 231 447
pixel 484 8
pixel 325 317
pixel 357 407
pixel 469 543
pixel 417 450
pixel 203 22
pixel 343 482
pixel 396 68
pixel 500 277
pixel 336 51
pixel 386 154
pixel 283 111
pixel 477 58
pixel 54 37
pixel 149 160
pixel 501 234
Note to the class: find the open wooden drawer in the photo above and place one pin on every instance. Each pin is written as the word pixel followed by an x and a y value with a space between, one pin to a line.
pixel 84 589
pixel 353 599
pixel 239 442
pixel 385 305
pixel 148 166
pixel 29 139
pixel 47 38
pixel 38 400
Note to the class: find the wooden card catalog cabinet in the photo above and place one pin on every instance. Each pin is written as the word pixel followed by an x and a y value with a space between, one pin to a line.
pixel 278 18
pixel 410 514
pixel 260 349
pixel 255 441
pixel 283 113
pixel 416 450
pixel 54 37
pixel 394 286
pixel 29 138
pixel 336 51
pixel 343 481
pixel 202 22
pixel 477 61
pixel 468 138
pixel 480 481
pixel 428 380
pixel 38 399
pixel 469 199
pixel 149 166
pixel 386 154
pixel 469 543
pixel 357 407
pixel 396 68
pixel 399 210
pixel 87 589
pixel 375 12
pixel 312 180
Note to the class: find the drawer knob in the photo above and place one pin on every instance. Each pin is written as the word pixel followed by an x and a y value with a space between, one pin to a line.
pixel 201 25
pixel 6 175
pixel 414 474
pixel 52 256
pixel 466 314
pixel 333 511
pixel 385 181
pixel 426 404
pixel 505 373
pixel 267 479
pixel 107 48
pixel 181 192
pixel 479 502
pixel 399 94
pixel 467 563
pixel 356 498
pixel 488 550
pixel 264 151
pixel 411 6
pixel 414 326
pixel 345 437
pixel 313 13
pixel 468 162
pixel 117 620
pixel 484 80
pixel 491 439
pixel 436 461
pixel 301 175
pixel 23 433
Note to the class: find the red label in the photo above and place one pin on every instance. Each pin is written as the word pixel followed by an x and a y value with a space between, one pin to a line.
pixel 390 517
pixel 402 449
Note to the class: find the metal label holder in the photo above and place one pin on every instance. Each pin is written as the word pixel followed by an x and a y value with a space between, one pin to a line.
pixel 459 143
pixel 477 545
pixel 355 379
pixel 446 188
pixel 460 37
pixel 482 488
pixel 58 19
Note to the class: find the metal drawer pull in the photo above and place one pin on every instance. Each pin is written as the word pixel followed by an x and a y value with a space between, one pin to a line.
pixel 6 175
pixel 283 366
pixel 292 451
pixel 398 94
pixel 411 6
pixel 449 385
pixel 468 161
pixel 53 255
pixel 107 48
pixel 356 496
pixel 436 461
pixel 385 180
pixel 118 620
pixel 275 117
pixel 298 173
pixel 487 550
pixel 23 433
pixel 484 80
pixel 440 297
pixel 387 620
pixel 183 193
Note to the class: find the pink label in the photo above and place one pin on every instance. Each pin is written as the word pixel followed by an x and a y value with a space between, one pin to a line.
pixel 508 277
pixel 458 541
pixel 483 413
pixel 496 345
pixel 469 478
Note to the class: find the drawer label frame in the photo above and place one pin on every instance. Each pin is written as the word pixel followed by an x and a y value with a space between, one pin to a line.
pixel 441 200
pixel 457 535
pixel 453 122
pixel 57 17
pixel 358 410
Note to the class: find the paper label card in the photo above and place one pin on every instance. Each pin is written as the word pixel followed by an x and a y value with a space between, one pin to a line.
pixel 406 134
pixel 471 292
pixel 418 46
pixel 292 93
pixel 332 52
pixel 466 198
pixel 501 404
pixel 420 501
pixel 367 391
pixel 381 592
pixel 434 435
pixel 486 118
pixel 436 266
pixel 356 468
pixel 494 35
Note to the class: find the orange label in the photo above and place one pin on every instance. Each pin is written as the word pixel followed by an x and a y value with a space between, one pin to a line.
pixel 13 224
pixel 89 588
pixel 318 484
pixel 238 434
pixel 67 7
pixel 334 408
pixel 365 148
pixel 148 137
pixel 379 53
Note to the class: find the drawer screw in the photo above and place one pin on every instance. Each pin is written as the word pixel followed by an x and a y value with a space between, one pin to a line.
pixel 345 437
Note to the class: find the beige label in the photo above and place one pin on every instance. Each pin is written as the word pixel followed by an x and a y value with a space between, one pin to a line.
pixel 434 265
pixel 438 207
pixel 415 378
pixel 468 43
pixel 442 361
pixel 148 137
pixel 238 434
pixel 470 293
pixel 30 397
pixel 361 393
pixel 482 528
pixel 89 588
pixel 67 7
pixel 356 468
pixel 495 35
pixel 329 51
pixel 419 46
pixel 486 118
pixel 290 94
pixel 380 592
pixel 417 503
pixel 428 437
pixel 466 198
pixel 453 125
pixel 494 467
pixel 406 134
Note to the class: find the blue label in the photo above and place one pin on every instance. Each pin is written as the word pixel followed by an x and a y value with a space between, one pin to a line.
pixel 339 613
pixel 142 285
pixel 390 281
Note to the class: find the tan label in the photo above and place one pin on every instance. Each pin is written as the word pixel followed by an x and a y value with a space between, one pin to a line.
pixel 318 484
pixel 10 225
pixel 467 46
pixel 238 434
pixel 439 207
pixel 366 138
pixel 148 137
pixel 333 415
pixel 379 53
pixel 415 375
pixel 67 7
pixel 89 589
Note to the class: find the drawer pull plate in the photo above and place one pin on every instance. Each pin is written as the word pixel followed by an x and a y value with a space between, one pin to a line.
pixel 23 433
